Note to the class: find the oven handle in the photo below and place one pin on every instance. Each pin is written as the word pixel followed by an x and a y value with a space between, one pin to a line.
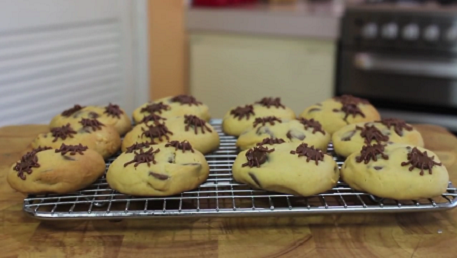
pixel 446 69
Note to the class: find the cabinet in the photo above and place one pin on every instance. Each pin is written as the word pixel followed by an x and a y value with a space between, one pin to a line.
pixel 228 70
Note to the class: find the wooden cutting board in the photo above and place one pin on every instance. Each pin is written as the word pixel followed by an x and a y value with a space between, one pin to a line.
pixel 432 234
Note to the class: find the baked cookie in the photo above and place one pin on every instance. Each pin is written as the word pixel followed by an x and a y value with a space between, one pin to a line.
pixel 199 133
pixel 239 119
pixel 64 170
pixel 353 137
pixel 158 170
pixel 89 132
pixel 170 107
pixel 291 168
pixel 337 112
pixel 302 130
pixel 396 171
pixel 111 115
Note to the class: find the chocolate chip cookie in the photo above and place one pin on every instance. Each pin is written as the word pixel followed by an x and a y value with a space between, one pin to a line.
pixel 158 169
pixel 239 119
pixel 291 168
pixel 287 130
pixel 353 137
pixel 396 171
pixel 338 112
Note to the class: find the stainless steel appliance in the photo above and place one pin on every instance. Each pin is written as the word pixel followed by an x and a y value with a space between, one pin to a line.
pixel 403 57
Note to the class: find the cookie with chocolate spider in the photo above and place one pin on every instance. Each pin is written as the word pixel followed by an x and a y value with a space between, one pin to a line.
pixel 158 169
pixel 239 119
pixel 291 168
pixel 338 112
pixel 200 134
pixel 172 106
pixel 287 130
pixel 65 169
pixel 89 132
pixel 353 137
pixel 396 171
pixel 109 115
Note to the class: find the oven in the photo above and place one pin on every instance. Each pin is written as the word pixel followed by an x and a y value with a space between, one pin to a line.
pixel 403 59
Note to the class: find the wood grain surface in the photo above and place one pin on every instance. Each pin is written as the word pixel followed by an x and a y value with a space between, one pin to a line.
pixel 432 234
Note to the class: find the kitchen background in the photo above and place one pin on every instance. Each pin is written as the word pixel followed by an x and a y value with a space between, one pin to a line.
pixel 399 54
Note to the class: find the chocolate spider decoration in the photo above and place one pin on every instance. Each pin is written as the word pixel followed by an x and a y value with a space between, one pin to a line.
pixel 94 124
pixel 186 99
pixel 152 118
pixel 184 146
pixel 311 153
pixel 155 108
pixel 195 122
pixel 351 99
pixel 311 123
pixel 350 109
pixel 156 131
pixel 72 110
pixel 420 160
pixel 269 102
pixel 143 157
pixel 62 132
pixel 398 125
pixel 72 149
pixel 371 133
pixel 28 161
pixel 113 110
pixel 271 141
pixel 267 119
pixel 371 152
pixel 137 146
pixel 257 156
pixel 241 112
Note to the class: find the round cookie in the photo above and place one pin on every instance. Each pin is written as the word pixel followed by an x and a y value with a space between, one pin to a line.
pixel 199 133
pixel 286 130
pixel 89 132
pixel 158 170
pixel 337 112
pixel 239 119
pixel 353 137
pixel 63 170
pixel 111 115
pixel 169 107
pixel 396 171
pixel 291 168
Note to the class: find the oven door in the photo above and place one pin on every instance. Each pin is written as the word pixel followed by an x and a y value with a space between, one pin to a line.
pixel 419 87
pixel 415 80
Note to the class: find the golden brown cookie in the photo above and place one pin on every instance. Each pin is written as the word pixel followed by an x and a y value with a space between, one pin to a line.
pixel 353 137
pixel 89 132
pixel 111 115
pixel 170 107
pixel 239 119
pixel 302 130
pixel 63 170
pixel 199 133
pixel 396 171
pixel 337 112
pixel 158 170
pixel 292 168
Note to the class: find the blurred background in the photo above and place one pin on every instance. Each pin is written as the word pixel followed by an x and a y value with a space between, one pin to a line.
pixel 400 54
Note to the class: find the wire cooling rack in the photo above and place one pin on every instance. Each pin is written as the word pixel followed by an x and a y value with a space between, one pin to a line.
pixel 220 196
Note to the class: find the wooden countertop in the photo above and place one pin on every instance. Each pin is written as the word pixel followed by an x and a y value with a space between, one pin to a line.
pixel 431 234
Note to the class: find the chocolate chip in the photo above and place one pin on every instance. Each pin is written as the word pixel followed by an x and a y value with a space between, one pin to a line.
pixel 68 158
pixel 265 130
pixel 313 110
pixel 256 180
pixel 158 176
pixel 318 104
pixel 191 164
pixel 294 134
pixel 347 136
pixel 378 167
pixel 171 159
